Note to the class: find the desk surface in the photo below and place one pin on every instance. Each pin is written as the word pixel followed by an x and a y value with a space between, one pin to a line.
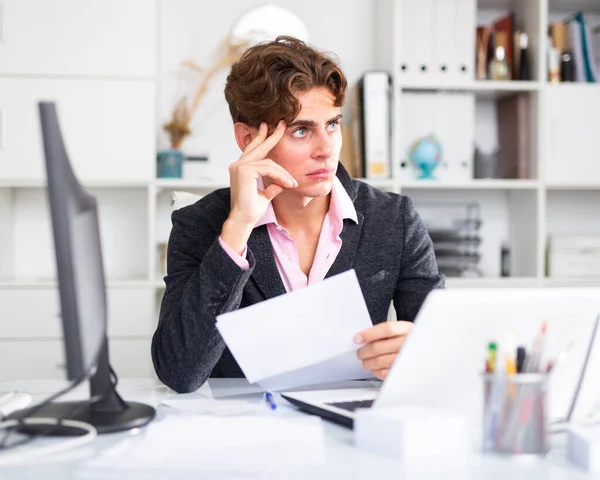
pixel 342 459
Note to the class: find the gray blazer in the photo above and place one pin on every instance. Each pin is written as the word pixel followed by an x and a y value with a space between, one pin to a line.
pixel 389 249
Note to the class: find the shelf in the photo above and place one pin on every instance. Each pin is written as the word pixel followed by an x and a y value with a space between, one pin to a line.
pixel 482 88
pixel 182 184
pixel 27 183
pixel 38 284
pixel 572 282
pixel 495 4
pixel 492 282
pixel 483 184
pixel 574 5
pixel 573 186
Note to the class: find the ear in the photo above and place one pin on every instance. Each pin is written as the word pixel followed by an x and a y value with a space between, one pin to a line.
pixel 244 134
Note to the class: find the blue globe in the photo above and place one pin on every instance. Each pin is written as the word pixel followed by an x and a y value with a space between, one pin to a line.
pixel 426 154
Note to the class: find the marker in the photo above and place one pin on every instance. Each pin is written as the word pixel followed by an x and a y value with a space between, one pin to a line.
pixel 521 355
pixel 270 400
pixel 490 364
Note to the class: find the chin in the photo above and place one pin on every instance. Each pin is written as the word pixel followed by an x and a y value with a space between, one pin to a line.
pixel 320 189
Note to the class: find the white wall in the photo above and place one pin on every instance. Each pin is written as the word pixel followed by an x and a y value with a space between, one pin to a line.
pixel 192 30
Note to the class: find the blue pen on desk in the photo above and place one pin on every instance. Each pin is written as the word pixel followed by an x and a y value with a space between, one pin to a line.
pixel 270 400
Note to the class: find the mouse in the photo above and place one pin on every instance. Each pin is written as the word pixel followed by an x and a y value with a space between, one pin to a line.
pixel 12 401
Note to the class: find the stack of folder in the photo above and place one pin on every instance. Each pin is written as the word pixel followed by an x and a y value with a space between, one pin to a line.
pixel 367 141
pixel 456 242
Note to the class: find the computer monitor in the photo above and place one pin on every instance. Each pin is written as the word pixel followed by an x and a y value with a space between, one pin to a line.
pixel 74 214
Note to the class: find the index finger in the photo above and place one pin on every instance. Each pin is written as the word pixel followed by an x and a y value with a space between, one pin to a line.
pixel 260 137
pixel 383 330
pixel 268 144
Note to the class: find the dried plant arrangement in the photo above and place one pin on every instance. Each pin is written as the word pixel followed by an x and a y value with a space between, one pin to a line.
pixel 178 127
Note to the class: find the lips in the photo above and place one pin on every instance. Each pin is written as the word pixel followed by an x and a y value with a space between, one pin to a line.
pixel 323 172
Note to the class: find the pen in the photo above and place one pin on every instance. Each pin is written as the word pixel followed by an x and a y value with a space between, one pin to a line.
pixel 532 362
pixel 559 358
pixel 270 400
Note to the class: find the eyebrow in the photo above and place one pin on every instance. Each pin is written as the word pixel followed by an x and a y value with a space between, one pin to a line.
pixel 312 123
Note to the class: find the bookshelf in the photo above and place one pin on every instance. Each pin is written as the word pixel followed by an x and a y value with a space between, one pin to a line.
pixel 117 163
pixel 524 212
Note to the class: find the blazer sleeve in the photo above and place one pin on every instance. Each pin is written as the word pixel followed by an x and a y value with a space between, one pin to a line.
pixel 202 282
pixel 419 273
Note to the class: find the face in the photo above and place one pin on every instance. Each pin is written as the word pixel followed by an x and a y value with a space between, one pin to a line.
pixel 310 147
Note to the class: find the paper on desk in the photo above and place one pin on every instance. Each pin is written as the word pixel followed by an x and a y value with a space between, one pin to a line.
pixel 217 407
pixel 304 337
pixel 218 444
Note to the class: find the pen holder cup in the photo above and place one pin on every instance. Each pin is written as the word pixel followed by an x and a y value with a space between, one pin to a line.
pixel 514 414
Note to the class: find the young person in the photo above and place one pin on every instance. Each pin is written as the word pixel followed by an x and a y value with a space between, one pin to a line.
pixel 291 218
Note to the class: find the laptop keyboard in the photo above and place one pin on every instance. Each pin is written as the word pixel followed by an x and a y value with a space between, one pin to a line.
pixel 353 405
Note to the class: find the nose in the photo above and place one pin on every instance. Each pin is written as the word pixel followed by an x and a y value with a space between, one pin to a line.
pixel 323 148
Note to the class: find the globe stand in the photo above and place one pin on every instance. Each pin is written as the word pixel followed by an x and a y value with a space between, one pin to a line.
pixel 427 172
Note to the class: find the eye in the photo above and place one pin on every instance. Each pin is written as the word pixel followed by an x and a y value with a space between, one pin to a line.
pixel 299 133
pixel 333 126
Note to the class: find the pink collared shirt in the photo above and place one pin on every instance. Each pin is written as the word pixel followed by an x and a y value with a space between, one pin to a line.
pixel 284 247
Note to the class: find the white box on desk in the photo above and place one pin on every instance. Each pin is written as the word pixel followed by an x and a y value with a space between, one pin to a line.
pixel 413 433
pixel 583 447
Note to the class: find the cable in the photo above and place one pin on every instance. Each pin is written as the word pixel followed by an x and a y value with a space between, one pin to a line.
pixel 48 449
pixel 59 421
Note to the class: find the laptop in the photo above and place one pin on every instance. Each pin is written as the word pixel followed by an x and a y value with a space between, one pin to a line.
pixel 441 362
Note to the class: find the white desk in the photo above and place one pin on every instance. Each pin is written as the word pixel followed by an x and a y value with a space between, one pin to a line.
pixel 343 460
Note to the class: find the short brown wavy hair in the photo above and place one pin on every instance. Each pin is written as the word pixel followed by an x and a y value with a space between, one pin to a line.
pixel 263 84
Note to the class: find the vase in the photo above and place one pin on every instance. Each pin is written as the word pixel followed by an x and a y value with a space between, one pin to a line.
pixel 170 163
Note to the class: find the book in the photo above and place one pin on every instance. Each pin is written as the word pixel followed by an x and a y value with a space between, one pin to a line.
pixel 514 136
pixel 505 27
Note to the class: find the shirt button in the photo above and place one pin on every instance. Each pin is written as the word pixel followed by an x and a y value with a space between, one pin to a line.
pixel 279 229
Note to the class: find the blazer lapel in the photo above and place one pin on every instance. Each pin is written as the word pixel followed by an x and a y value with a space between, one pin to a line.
pixel 350 237
pixel 265 275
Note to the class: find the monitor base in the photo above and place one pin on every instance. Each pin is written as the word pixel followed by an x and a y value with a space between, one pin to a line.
pixel 133 415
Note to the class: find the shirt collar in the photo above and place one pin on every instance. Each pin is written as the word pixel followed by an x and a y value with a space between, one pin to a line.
pixel 340 206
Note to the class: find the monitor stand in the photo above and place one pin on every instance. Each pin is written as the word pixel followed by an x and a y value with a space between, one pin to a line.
pixel 108 414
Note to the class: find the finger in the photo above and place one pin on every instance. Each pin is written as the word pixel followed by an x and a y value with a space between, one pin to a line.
pixel 381 374
pixel 380 347
pixel 268 144
pixel 379 362
pixel 383 330
pixel 275 175
pixel 270 163
pixel 256 141
pixel 271 191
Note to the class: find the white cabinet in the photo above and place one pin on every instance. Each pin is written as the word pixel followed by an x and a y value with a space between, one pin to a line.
pixel 108 127
pixel 34 313
pixel 573 156
pixel 73 37
pixel 31 343
pixel 31 359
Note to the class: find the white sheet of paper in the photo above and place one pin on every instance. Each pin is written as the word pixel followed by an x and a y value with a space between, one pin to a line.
pixel 208 443
pixel 344 367
pixel 217 407
pixel 306 327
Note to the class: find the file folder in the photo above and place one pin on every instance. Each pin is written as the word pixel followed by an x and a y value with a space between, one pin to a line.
pixel 376 125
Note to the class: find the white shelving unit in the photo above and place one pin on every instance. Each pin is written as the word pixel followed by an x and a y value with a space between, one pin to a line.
pixel 563 193
pixel 103 72
pixel 97 60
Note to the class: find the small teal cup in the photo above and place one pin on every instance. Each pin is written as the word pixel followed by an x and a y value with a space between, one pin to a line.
pixel 170 163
